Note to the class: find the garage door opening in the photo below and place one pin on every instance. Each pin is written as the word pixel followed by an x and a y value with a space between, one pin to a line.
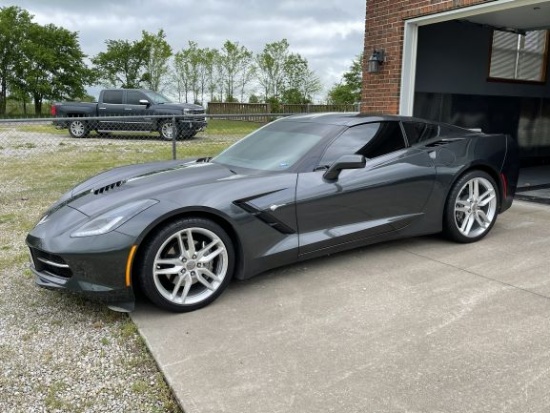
pixel 491 72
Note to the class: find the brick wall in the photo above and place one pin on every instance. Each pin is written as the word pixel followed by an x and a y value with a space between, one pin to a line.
pixel 384 29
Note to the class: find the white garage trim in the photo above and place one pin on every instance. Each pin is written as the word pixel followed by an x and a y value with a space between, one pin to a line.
pixel 410 42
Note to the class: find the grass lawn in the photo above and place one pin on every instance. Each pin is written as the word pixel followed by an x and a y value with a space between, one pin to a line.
pixel 215 127
pixel 37 164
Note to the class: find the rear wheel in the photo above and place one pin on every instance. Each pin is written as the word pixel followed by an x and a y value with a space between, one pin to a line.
pixel 187 265
pixel 78 128
pixel 166 130
pixel 472 207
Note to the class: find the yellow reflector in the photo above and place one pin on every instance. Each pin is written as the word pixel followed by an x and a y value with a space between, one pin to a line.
pixel 129 265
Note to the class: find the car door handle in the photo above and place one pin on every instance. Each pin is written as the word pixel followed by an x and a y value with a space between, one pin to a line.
pixel 127 108
pixel 102 108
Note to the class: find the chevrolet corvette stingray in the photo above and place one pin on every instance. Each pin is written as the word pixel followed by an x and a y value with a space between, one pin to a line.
pixel 297 188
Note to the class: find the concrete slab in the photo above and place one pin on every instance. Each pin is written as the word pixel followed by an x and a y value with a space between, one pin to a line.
pixel 420 325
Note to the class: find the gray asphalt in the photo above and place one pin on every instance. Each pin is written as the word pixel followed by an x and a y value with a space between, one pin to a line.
pixel 420 325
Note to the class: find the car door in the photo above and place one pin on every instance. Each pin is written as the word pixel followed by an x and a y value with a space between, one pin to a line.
pixel 136 112
pixel 112 105
pixel 386 195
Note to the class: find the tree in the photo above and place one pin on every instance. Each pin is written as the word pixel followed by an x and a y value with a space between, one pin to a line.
pixel 301 83
pixel 52 65
pixel 349 90
pixel 271 68
pixel 234 68
pixel 14 23
pixel 156 66
pixel 123 64
pixel 186 64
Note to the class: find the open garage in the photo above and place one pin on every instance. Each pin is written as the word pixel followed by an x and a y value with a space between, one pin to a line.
pixel 482 65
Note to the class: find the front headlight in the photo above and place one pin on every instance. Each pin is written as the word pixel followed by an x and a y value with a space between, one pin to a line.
pixel 113 219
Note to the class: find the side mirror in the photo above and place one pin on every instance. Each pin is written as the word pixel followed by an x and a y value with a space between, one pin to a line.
pixel 344 162
pixel 144 102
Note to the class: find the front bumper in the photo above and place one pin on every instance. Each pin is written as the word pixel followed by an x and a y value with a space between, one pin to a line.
pixel 98 276
pixel 195 125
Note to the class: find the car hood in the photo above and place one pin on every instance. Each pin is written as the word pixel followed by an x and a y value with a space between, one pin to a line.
pixel 124 184
pixel 181 106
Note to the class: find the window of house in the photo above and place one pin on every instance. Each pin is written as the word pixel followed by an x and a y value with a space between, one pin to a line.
pixel 112 96
pixel 518 56
pixel 370 140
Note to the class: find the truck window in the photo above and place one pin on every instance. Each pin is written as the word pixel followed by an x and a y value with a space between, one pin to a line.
pixel 112 97
pixel 133 97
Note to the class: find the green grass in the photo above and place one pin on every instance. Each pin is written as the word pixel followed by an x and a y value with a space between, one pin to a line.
pixel 34 175
pixel 215 127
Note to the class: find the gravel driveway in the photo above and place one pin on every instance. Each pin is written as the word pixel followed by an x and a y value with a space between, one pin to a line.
pixel 58 352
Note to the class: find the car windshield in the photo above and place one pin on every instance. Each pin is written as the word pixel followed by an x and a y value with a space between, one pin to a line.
pixel 277 146
pixel 157 97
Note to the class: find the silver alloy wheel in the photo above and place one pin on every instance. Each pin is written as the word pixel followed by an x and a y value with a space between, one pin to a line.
pixel 167 130
pixel 77 128
pixel 190 266
pixel 475 207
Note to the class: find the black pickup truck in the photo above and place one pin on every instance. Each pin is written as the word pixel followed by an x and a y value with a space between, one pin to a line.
pixel 135 110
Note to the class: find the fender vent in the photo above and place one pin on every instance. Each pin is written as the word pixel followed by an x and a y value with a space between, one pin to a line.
pixel 442 142
pixel 108 187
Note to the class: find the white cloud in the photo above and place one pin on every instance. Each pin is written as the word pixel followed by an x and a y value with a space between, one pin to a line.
pixel 328 33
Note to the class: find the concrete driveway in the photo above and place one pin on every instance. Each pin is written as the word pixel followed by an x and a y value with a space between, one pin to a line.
pixel 421 325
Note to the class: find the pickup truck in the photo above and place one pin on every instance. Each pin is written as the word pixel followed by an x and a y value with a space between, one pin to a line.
pixel 130 110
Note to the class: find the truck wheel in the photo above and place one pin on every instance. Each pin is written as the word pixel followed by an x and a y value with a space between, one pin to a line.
pixel 78 128
pixel 166 130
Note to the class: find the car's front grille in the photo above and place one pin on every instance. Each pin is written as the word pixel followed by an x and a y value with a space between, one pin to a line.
pixel 50 264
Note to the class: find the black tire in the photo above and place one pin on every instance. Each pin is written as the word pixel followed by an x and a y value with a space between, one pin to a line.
pixel 78 128
pixel 166 130
pixel 470 213
pixel 183 280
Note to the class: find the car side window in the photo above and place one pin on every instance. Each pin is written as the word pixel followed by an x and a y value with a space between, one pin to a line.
pixel 133 97
pixel 112 97
pixel 418 132
pixel 370 140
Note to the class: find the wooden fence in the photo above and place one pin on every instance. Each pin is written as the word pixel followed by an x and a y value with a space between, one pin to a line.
pixel 248 110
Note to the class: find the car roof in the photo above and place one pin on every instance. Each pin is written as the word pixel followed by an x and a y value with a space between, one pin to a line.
pixel 348 118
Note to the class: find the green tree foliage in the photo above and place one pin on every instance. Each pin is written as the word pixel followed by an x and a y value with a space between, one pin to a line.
pixel 52 65
pixel 157 64
pixel 234 63
pixel 14 23
pixel 271 68
pixel 301 83
pixel 186 64
pixel 349 90
pixel 285 76
pixel 124 64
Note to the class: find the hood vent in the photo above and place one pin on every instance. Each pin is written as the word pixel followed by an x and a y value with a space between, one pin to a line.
pixel 108 187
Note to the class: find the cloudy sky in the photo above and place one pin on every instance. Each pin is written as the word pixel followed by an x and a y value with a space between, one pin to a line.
pixel 328 33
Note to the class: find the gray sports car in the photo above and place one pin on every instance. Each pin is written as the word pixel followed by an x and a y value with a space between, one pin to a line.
pixel 297 188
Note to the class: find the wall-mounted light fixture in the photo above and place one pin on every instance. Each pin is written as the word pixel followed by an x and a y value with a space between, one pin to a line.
pixel 375 60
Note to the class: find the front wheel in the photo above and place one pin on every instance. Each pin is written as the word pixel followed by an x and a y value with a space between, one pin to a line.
pixel 187 265
pixel 78 128
pixel 472 207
